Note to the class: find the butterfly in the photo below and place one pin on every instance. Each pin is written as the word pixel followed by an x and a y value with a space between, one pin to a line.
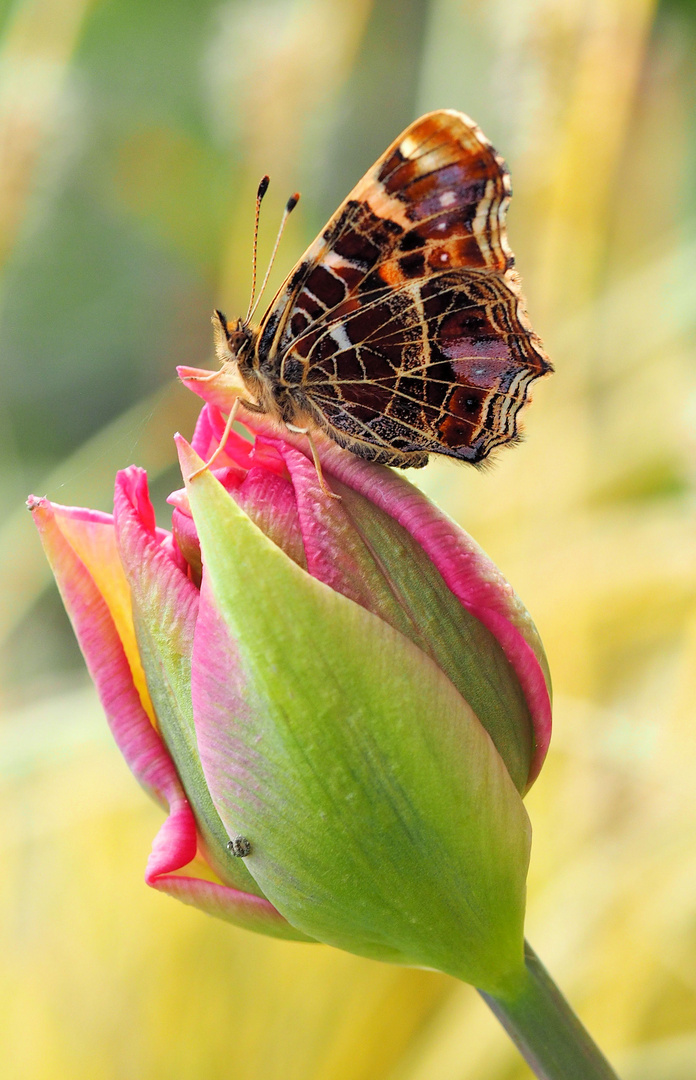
pixel 402 331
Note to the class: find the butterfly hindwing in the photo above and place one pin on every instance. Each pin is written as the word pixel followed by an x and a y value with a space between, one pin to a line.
pixel 402 331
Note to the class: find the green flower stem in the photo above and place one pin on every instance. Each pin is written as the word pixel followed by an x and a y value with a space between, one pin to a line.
pixel 546 1031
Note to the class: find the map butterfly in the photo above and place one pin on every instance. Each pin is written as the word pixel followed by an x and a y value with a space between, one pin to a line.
pixel 402 331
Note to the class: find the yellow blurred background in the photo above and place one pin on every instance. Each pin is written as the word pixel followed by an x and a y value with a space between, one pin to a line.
pixel 132 137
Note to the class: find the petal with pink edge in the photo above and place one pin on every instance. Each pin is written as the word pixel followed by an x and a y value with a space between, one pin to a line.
pixel 471 576
pixel 92 537
pixel 243 909
pixel 174 853
pixel 370 793
pixel 138 741
pixel 165 608
pixel 386 570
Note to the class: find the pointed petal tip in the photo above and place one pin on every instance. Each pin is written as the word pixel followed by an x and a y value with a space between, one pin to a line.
pixel 218 388
pixel 189 461
pixel 175 844
pixel 186 372
pixel 194 378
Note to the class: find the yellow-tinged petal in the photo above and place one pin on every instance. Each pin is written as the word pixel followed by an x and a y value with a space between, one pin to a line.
pixel 93 539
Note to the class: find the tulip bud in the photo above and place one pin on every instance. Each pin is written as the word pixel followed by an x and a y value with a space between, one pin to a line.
pixel 340 701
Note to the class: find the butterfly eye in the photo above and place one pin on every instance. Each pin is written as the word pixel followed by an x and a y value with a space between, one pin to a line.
pixel 239 846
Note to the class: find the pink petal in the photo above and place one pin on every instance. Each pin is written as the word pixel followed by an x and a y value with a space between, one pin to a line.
pixel 243 909
pixel 238 452
pixel 176 842
pixel 269 500
pixel 138 741
pixel 206 439
pixel 142 551
pixel 326 530
pixel 188 543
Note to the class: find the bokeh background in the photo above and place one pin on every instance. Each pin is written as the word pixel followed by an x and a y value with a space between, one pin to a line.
pixel 132 137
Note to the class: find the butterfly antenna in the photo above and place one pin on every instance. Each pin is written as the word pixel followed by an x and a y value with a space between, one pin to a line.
pixel 289 207
pixel 262 189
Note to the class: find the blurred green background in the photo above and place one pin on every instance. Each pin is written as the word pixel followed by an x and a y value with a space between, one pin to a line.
pixel 132 137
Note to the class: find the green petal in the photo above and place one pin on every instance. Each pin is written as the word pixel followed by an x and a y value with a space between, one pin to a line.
pixel 408 591
pixel 380 815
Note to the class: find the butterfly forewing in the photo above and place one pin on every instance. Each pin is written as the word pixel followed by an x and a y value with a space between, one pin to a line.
pixel 402 331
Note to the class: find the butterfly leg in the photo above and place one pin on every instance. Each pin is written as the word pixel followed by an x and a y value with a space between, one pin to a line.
pixel 315 458
pixel 221 445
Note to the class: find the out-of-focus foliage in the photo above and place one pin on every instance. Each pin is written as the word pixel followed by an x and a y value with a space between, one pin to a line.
pixel 132 136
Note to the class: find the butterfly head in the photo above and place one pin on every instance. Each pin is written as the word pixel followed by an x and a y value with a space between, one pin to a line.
pixel 232 339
